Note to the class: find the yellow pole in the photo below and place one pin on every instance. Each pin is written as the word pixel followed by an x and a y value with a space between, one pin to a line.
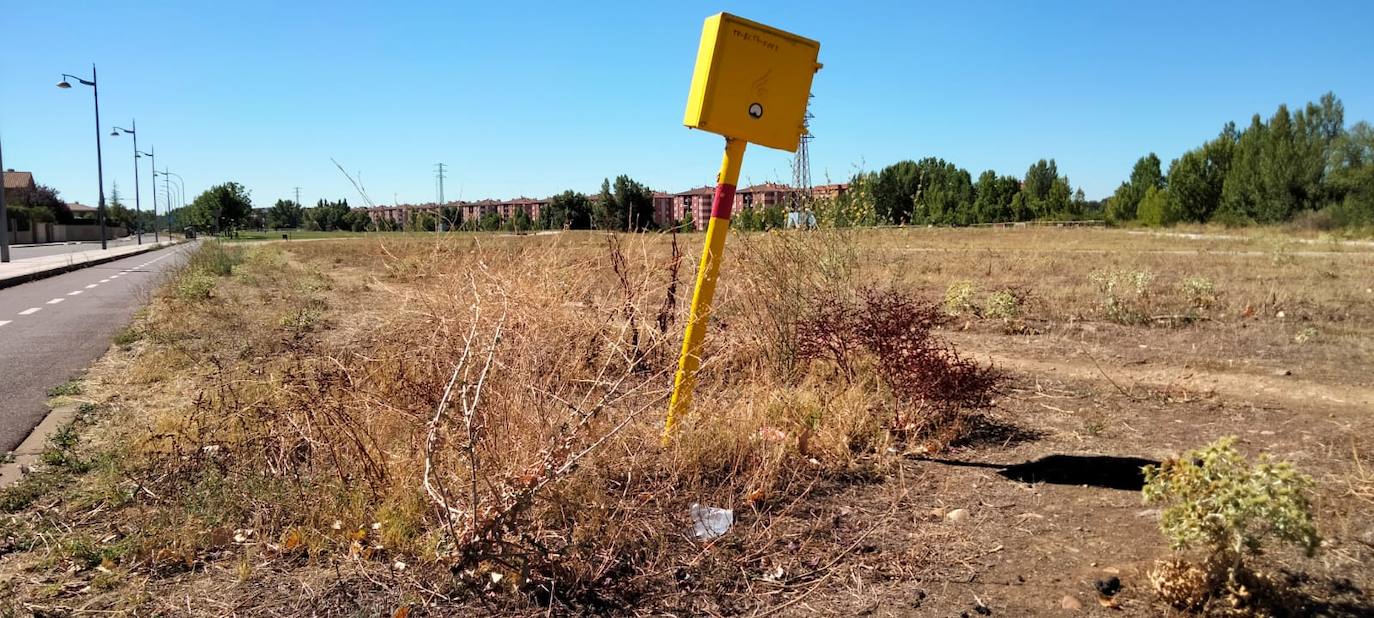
pixel 700 312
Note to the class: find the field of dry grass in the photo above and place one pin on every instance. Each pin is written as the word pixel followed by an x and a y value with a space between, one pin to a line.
pixel 470 424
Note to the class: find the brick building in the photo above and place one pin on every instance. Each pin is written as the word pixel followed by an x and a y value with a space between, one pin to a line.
pixel 829 192
pixel 669 208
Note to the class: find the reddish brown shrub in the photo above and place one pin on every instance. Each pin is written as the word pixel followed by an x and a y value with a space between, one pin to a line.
pixel 889 332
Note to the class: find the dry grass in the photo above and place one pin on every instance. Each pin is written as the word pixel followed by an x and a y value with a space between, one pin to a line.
pixel 473 422
pixel 487 408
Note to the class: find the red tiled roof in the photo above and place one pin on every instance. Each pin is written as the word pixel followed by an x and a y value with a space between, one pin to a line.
pixel 18 180
pixel 697 191
pixel 79 207
pixel 767 186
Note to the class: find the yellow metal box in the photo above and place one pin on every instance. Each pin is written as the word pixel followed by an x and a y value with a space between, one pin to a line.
pixel 751 82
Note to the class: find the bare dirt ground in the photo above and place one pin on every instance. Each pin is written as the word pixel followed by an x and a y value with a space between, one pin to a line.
pixel 1280 353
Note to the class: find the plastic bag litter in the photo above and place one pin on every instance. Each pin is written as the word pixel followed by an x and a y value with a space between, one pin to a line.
pixel 710 523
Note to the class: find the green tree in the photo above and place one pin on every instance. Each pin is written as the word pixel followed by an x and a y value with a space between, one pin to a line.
pixel 223 207
pixel 993 196
pixel 894 192
pixel 329 216
pixel 520 221
pixel 1279 167
pixel 40 203
pixel 1195 181
pixel 116 213
pixel 773 218
pixel 567 210
pixel 358 221
pixel 606 214
pixel 746 220
pixel 1351 178
pixel 284 214
pixel 1059 204
pixel 636 202
pixel 1157 209
pixel 624 205
pixel 943 194
pixel 451 217
pixel 1145 175
pixel 1044 193
pixel 687 224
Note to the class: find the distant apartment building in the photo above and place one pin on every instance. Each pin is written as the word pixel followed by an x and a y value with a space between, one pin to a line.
pixel 829 192
pixel 663 209
pixel 765 195
pixel 669 208
pixel 697 202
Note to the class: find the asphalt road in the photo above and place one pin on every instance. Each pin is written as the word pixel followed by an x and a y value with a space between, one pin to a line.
pixel 28 251
pixel 51 330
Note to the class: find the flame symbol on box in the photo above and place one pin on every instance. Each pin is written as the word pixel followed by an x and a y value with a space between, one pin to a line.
pixel 760 85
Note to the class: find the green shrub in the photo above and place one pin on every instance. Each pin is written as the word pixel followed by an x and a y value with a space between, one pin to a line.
pixel 1126 295
pixel 194 285
pixel 1003 304
pixel 1226 506
pixel 61 451
pixel 215 258
pixel 70 388
pixel 127 336
pixel 1199 291
pixel 959 299
pixel 302 319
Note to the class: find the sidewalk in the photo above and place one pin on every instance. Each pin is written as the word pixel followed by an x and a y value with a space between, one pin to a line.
pixel 21 270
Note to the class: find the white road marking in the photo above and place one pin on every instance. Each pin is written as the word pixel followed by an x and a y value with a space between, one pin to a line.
pixel 55 301
pixel 73 293
pixel 30 311
pixel 4 322
pixel 104 280
pixel 92 285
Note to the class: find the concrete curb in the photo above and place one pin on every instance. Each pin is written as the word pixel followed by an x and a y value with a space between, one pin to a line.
pixel 31 449
pixel 66 268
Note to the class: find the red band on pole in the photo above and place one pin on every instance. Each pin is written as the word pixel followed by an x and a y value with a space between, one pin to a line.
pixel 723 202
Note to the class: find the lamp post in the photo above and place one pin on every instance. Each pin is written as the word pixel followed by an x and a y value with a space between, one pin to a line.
pixel 151 154
pixel 4 214
pixel 169 196
pixel 138 208
pixel 99 166
pixel 181 188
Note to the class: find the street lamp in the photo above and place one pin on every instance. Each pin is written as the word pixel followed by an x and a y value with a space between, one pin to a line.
pixel 181 188
pixel 99 166
pixel 4 216
pixel 138 208
pixel 151 156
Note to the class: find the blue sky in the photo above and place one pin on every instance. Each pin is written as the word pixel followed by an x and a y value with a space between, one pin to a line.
pixel 530 98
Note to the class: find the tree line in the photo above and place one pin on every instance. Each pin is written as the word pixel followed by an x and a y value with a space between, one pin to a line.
pixel 933 191
pixel 1305 163
pixel 1294 164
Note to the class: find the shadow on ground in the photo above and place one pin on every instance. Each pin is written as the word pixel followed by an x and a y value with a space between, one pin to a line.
pixel 1106 472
